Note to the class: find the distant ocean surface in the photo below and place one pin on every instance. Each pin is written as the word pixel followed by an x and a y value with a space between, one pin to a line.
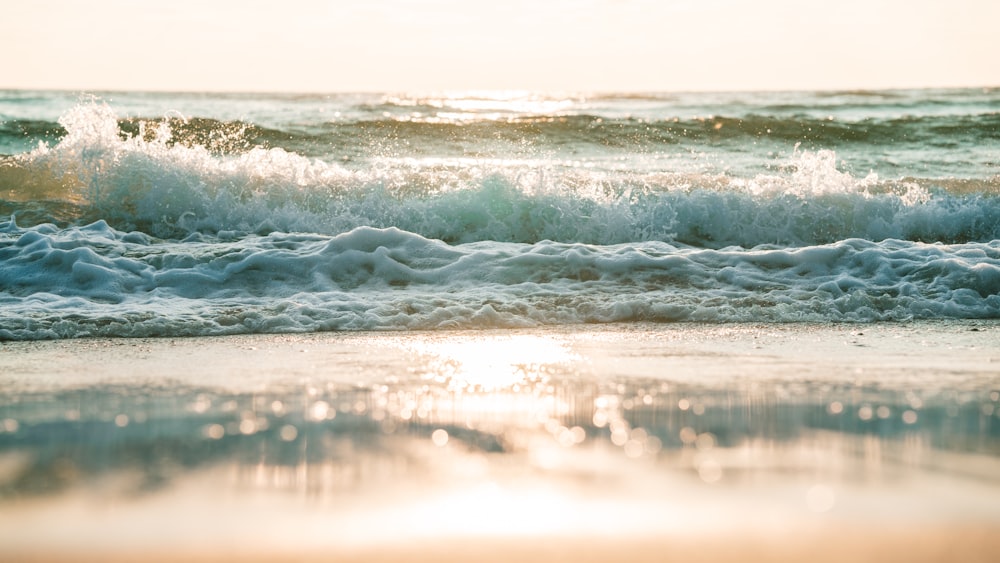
pixel 132 214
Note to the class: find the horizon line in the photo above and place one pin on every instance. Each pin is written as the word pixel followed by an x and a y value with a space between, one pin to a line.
pixel 509 92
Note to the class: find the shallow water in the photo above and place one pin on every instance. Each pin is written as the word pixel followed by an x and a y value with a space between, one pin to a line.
pixel 623 431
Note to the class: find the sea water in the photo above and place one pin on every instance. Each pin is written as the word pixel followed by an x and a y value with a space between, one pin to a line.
pixel 667 318
pixel 129 214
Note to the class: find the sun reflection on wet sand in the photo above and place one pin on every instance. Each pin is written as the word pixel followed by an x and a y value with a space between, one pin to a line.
pixel 369 443
pixel 490 362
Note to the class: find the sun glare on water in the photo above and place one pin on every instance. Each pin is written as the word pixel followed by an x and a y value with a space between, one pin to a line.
pixel 492 363
pixel 483 105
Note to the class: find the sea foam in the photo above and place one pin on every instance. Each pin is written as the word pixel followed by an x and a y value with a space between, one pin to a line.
pixel 171 190
pixel 94 280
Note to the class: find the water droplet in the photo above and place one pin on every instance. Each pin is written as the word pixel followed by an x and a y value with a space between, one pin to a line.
pixel 634 448
pixel 320 410
pixel 247 427
pixel 213 431
pixel 710 471
pixel 288 432
pixel 277 407
pixel 600 419
pixel 440 437
pixel 705 441
pixel 688 435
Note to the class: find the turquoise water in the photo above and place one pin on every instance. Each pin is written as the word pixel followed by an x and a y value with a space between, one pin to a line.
pixel 131 214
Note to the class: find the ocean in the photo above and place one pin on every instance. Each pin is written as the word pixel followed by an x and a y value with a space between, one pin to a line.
pixel 128 214
pixel 500 326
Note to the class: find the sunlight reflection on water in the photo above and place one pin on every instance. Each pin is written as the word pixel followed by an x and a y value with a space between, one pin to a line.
pixel 506 434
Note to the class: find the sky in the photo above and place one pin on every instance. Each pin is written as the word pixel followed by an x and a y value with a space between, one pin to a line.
pixel 542 45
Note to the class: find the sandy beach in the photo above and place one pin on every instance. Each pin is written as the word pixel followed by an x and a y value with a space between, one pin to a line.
pixel 582 443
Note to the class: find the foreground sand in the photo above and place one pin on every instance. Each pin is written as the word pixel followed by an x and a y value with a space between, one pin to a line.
pixel 918 545
pixel 623 442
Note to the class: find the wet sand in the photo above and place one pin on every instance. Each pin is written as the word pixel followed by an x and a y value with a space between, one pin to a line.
pixel 630 442
pixel 960 544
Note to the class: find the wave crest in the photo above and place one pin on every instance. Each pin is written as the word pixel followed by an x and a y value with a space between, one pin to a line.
pixel 150 181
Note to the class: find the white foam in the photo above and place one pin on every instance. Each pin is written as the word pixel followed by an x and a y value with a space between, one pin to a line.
pixel 171 190
pixel 95 280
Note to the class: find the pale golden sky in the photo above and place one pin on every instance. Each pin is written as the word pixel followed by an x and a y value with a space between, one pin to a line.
pixel 553 45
